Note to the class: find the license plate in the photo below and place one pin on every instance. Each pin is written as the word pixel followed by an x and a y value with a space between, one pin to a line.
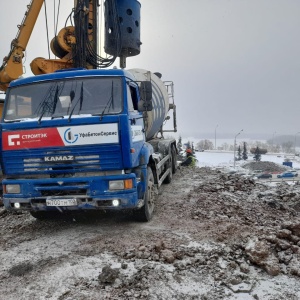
pixel 61 202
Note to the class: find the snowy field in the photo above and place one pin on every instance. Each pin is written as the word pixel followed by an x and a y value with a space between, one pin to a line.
pixel 225 159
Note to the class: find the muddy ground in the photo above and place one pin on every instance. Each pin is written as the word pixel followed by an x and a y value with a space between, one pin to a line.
pixel 213 236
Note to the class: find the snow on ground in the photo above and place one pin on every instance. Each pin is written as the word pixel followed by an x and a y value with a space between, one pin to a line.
pixel 213 236
pixel 225 159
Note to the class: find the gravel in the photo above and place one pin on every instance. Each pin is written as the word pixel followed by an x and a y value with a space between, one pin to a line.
pixel 265 166
pixel 213 236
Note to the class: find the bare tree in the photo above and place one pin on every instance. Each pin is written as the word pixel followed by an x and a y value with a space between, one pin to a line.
pixel 225 146
pixel 287 147
pixel 205 145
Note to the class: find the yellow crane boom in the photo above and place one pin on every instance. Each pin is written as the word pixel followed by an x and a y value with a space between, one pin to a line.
pixel 12 66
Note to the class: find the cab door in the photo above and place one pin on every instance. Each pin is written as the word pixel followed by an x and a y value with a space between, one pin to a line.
pixel 136 122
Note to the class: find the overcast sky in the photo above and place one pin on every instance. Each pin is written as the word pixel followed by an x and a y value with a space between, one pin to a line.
pixel 235 63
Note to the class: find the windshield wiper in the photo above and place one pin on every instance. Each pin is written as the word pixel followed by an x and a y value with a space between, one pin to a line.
pixel 112 96
pixel 110 102
pixel 81 98
pixel 80 101
pixel 40 118
pixel 45 105
pixel 43 112
pixel 55 101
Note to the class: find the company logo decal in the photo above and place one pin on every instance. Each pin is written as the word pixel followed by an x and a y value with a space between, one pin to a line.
pixel 69 137
pixel 60 158
pixel 137 133
pixel 13 139
pixel 61 136
pixel 29 139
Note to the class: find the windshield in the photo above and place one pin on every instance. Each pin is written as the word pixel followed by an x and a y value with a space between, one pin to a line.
pixel 64 98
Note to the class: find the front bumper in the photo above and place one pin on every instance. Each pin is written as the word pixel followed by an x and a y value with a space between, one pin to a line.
pixel 89 193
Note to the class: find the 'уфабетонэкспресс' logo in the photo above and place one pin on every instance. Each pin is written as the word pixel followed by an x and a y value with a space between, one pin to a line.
pixel 69 137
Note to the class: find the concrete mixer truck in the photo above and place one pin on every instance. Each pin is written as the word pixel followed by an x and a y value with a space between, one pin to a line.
pixel 86 140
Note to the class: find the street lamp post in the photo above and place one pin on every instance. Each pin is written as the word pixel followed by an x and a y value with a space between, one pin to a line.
pixel 234 148
pixel 216 137
pixel 295 145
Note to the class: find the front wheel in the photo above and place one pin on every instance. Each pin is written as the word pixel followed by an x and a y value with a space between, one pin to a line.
pixel 145 213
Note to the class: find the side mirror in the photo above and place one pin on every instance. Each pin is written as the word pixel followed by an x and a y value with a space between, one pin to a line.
pixel 145 104
pixel 146 90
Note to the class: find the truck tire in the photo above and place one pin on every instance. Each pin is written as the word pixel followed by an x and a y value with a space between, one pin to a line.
pixel 145 213
pixel 174 159
pixel 168 179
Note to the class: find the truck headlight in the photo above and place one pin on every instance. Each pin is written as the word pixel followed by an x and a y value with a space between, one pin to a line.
pixel 116 202
pixel 17 205
pixel 120 184
pixel 12 189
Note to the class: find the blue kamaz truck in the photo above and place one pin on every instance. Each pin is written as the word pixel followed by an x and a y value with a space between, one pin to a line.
pixel 79 140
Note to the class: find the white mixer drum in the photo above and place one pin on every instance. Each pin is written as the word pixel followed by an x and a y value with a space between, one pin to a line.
pixel 160 101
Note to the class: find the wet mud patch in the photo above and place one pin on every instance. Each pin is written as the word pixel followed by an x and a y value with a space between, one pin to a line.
pixel 21 269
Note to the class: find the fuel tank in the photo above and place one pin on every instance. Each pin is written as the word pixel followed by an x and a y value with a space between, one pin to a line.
pixel 160 101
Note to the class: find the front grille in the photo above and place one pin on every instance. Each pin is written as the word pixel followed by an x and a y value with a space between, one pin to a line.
pixel 52 185
pixel 79 162
pixel 63 193
pixel 68 188
pixel 89 158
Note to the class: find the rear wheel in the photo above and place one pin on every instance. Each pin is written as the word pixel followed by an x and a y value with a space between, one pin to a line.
pixel 171 165
pixel 169 177
pixel 145 213
pixel 174 159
